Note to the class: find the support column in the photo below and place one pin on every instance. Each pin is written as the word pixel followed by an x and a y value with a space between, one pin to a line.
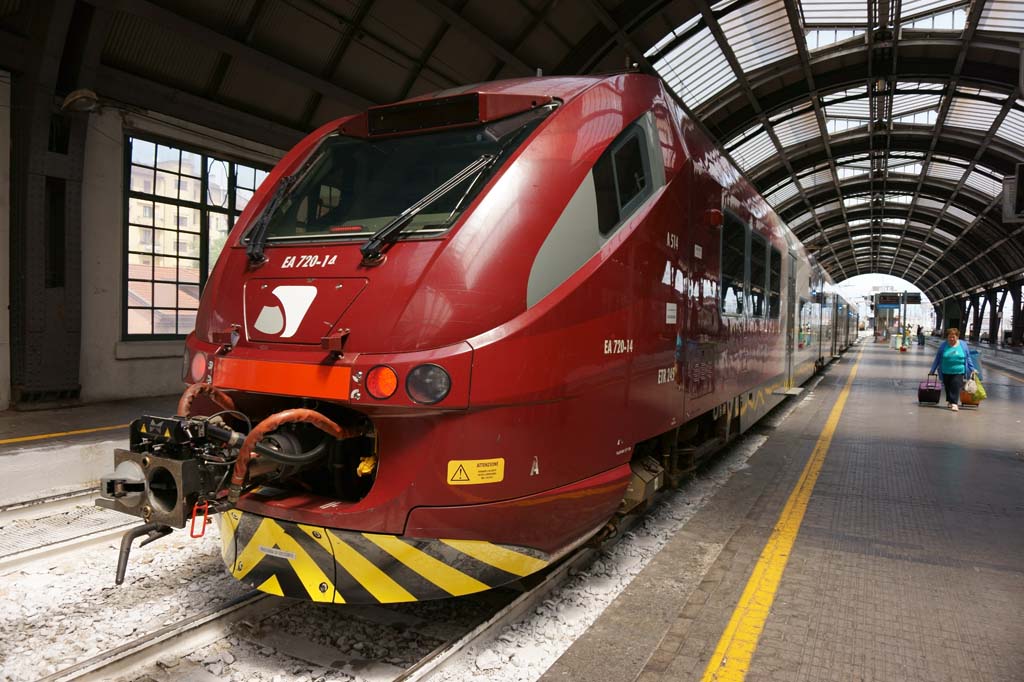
pixel 938 319
pixel 1017 337
pixel 996 318
pixel 976 304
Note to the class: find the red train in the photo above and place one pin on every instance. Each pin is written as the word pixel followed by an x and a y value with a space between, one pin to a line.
pixel 451 338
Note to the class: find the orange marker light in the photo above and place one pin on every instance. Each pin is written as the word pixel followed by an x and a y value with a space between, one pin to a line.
pixel 381 382
pixel 198 368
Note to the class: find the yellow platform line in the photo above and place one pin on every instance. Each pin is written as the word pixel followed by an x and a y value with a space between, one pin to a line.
pixel 735 649
pixel 60 434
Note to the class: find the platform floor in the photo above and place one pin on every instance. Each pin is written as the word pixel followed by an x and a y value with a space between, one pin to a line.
pixel 892 551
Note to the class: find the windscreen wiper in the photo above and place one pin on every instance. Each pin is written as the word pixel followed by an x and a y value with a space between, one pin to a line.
pixel 258 234
pixel 371 250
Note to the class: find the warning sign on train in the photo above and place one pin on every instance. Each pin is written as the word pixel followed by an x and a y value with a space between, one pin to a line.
pixel 475 471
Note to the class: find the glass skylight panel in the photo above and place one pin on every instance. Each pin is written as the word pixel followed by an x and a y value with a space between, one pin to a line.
pixel 854 108
pixel 1005 16
pixel 847 172
pixel 823 37
pixel 800 220
pixel 991 94
pixel 898 198
pixel 759 34
pixel 835 12
pixel 1012 128
pixel 963 215
pixel 926 202
pixel 856 201
pixel 920 118
pixel 753 151
pixel 783 194
pixel 905 169
pixel 984 184
pixel 909 86
pixel 841 125
pixel 952 20
pixel 946 171
pixel 697 69
pixel 820 178
pixel 797 129
pixel 672 35
pixel 972 114
pixel 908 103
pixel 825 208
pixel 862 91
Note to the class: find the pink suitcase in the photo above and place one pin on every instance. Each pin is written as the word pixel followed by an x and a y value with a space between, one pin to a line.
pixel 930 390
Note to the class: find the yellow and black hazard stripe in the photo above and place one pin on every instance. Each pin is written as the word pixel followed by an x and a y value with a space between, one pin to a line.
pixel 348 567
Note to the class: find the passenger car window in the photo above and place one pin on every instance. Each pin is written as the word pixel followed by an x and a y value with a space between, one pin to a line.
pixel 774 283
pixel 758 254
pixel 734 258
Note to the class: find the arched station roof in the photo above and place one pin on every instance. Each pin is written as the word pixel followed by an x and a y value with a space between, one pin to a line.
pixel 880 130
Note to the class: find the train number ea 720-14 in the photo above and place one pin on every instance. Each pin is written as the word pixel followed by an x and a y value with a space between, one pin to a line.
pixel 618 346
pixel 309 261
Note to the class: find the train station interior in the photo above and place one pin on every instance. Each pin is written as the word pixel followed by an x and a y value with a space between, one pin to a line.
pixel 786 494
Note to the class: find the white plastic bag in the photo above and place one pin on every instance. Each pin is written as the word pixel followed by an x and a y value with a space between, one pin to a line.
pixel 971 386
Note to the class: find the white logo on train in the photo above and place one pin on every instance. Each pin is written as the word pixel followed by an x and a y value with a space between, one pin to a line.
pixel 285 319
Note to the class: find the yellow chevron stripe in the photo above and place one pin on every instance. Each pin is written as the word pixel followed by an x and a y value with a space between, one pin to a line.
pixel 271 586
pixel 375 581
pixel 506 559
pixel 270 534
pixel 452 581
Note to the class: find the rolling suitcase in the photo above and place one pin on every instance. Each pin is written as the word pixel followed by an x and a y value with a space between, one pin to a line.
pixel 930 390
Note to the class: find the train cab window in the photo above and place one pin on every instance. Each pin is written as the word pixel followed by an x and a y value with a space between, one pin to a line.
pixel 734 258
pixel 758 273
pixel 774 284
pixel 622 179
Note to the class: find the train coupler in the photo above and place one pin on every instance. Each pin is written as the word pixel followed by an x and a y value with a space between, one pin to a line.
pixel 153 532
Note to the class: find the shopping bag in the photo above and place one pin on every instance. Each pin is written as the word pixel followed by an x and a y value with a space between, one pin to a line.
pixel 972 385
pixel 979 390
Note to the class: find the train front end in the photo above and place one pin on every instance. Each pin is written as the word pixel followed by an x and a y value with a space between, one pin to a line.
pixel 336 423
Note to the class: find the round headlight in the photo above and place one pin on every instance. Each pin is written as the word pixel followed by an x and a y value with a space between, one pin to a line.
pixel 197 370
pixel 381 382
pixel 428 384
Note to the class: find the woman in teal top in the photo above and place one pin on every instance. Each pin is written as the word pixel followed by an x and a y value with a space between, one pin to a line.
pixel 953 362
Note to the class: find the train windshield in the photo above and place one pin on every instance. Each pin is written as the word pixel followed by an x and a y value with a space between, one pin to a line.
pixel 353 187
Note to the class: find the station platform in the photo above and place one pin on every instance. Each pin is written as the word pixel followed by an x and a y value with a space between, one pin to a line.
pixel 51 452
pixel 870 538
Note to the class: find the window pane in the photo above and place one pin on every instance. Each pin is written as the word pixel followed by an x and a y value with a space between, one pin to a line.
pixel 140 267
pixel 245 176
pixel 188 296
pixel 242 197
pixel 140 212
pixel 188 270
pixel 189 219
pixel 217 183
pixel 165 215
pixel 758 273
pixel 607 202
pixel 165 322
pixel 140 321
pixel 260 177
pixel 188 245
pixel 142 179
pixel 629 171
pixel 143 152
pixel 191 164
pixel 186 321
pixel 734 241
pixel 140 239
pixel 165 269
pixel 166 242
pixel 219 228
pixel 167 185
pixel 140 293
pixel 165 295
pixel 167 158
pixel 189 189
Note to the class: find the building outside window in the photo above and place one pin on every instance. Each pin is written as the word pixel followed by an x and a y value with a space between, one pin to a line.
pixel 180 207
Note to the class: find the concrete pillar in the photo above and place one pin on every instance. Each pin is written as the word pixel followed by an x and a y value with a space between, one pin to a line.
pixel 975 318
pixel 996 317
pixel 938 318
pixel 5 240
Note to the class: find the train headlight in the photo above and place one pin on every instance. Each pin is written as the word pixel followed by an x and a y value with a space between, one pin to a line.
pixel 428 384
pixel 381 382
pixel 197 368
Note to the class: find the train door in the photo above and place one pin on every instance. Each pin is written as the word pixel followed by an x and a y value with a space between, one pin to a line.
pixel 792 327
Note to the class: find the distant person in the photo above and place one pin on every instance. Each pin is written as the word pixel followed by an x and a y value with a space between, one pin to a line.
pixel 953 361
pixel 920 335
